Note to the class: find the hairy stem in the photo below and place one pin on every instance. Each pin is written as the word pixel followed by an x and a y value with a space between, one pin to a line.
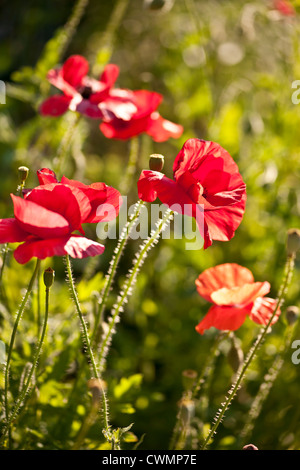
pixel 86 339
pixel 128 284
pixel 113 267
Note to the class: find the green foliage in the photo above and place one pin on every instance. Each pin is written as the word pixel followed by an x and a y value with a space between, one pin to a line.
pixel 225 70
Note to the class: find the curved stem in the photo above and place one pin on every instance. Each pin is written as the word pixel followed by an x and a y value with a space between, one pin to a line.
pixel 113 266
pixel 86 339
pixel 236 385
pixel 127 287
pixel 14 332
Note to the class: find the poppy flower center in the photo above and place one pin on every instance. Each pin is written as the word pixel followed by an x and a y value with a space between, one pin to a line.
pixel 86 92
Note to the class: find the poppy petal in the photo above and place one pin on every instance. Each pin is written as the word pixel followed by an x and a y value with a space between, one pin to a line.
pixel 46 176
pixel 61 199
pixel 161 129
pixel 224 275
pixel 153 184
pixel 55 106
pixel 76 247
pixel 240 295
pixel 223 221
pixel 38 220
pixel 11 232
pixel 223 318
pixel 81 247
pixel 107 80
pixel 262 310
pixel 38 248
pixel 74 70
pixel 98 194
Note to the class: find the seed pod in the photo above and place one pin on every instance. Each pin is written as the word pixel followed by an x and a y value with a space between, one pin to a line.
pixel 156 162
pixel 49 275
pixel 292 314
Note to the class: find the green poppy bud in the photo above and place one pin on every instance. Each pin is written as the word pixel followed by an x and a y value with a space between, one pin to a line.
pixel 156 162
pixel 49 274
pixel 23 173
pixel 292 314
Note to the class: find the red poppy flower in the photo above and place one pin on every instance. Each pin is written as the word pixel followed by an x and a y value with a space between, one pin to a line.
pixel 207 186
pixel 284 7
pixel 235 295
pixel 46 219
pixel 144 119
pixel 82 93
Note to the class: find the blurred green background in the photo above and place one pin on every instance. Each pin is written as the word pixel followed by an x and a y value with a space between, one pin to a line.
pixel 225 70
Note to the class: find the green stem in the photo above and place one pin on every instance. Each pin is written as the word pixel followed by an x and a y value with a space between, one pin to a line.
pixel 113 266
pixel 86 339
pixel 240 376
pixel 26 385
pixel 14 332
pixel 127 287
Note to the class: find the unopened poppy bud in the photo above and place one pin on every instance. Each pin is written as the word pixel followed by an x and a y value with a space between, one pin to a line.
pixel 156 162
pixel 188 378
pixel 23 173
pixel 96 386
pixel 235 356
pixel 293 241
pixel 250 447
pixel 49 274
pixel 292 314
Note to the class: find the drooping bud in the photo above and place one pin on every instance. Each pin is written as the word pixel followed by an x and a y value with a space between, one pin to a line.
pixel 292 314
pixel 23 173
pixel 293 241
pixel 188 379
pixel 156 162
pixel 49 275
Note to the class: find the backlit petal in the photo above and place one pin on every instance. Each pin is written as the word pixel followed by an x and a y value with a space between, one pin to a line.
pixel 224 275
pixel 223 318
pixel 11 232
pixel 39 221
pixel 74 70
pixel 262 310
pixel 240 295
pixel 55 106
